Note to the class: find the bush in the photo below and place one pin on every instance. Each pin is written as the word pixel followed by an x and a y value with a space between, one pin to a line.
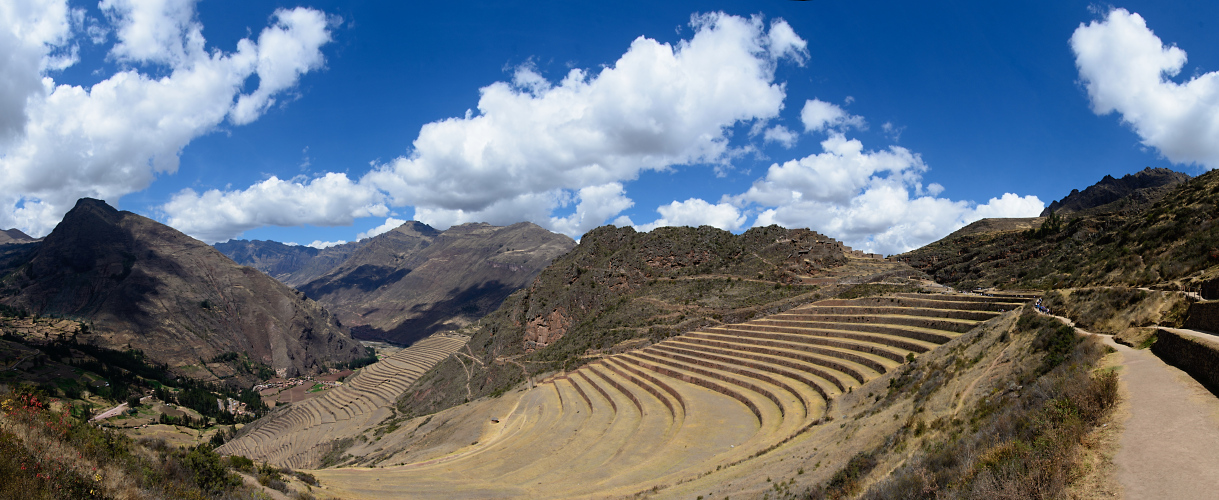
pixel 209 473
pixel 243 464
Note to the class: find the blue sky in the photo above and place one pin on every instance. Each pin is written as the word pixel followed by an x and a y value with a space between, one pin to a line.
pixel 925 116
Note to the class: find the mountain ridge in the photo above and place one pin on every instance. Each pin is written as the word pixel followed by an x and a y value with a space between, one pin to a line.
pixel 414 280
pixel 1149 183
pixel 143 285
pixel 15 236
pixel 1166 239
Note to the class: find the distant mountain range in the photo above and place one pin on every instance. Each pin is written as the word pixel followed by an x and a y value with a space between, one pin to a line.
pixel 14 236
pixel 414 280
pixel 144 285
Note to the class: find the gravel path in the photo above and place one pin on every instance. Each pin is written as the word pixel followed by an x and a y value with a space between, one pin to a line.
pixel 1170 445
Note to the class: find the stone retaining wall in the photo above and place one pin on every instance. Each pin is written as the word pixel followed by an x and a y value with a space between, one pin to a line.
pixel 1203 316
pixel 1197 357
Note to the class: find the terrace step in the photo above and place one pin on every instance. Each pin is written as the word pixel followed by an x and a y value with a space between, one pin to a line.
pixel 873 348
pixel 795 328
pixel 898 310
pixel 816 383
pixel 861 366
pixel 792 402
pixel 674 410
pixel 944 324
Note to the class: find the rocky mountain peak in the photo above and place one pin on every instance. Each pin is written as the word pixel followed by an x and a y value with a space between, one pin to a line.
pixel 1147 184
pixel 147 286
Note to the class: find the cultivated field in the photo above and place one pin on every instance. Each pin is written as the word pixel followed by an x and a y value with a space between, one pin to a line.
pixel 673 412
pixel 301 433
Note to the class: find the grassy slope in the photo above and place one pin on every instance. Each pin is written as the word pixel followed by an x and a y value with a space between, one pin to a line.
pixel 1000 412
pixel 623 289
pixel 1172 241
pixel 49 451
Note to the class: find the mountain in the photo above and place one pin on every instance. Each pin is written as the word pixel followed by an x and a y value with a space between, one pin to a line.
pixel 1148 184
pixel 620 290
pixel 412 281
pixel 998 225
pixel 14 236
pixel 1170 240
pixel 143 285
pixel 294 265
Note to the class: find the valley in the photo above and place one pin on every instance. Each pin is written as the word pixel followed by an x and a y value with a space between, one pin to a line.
pixel 669 413
pixel 677 363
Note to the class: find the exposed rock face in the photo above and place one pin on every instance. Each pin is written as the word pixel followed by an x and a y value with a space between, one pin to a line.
pixel 410 282
pixel 145 285
pixel 1150 183
pixel 14 236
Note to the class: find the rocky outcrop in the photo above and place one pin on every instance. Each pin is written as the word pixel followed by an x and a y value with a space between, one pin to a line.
pixel 544 330
pixel 1149 183
pixel 144 285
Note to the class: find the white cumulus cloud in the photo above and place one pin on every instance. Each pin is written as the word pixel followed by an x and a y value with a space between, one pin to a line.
pixel 1127 69
pixel 322 245
pixel 872 200
pixel 62 142
pixel 216 215
pixel 781 135
pixel 818 115
pixel 694 212
pixel 535 147
pixel 389 225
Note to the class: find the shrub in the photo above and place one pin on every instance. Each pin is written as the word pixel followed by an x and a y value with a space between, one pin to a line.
pixel 1017 447
pixel 209 474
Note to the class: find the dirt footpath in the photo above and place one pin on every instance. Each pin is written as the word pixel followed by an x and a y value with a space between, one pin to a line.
pixel 1170 446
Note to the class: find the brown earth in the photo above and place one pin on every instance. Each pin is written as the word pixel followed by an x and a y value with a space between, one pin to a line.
pixel 998 225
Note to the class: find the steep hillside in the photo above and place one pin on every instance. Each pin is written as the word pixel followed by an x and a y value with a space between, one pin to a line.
pixel 143 285
pixel 1169 243
pixel 412 281
pixel 1148 185
pixel 998 226
pixel 621 290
